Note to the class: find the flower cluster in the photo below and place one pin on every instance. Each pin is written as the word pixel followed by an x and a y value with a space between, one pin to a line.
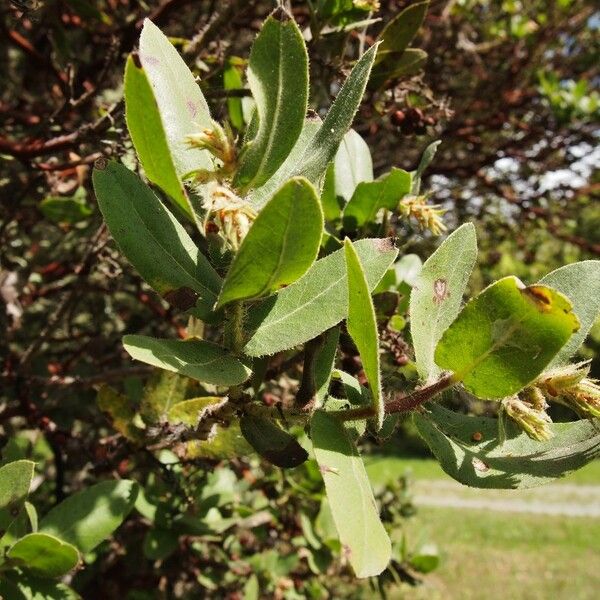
pixel 428 216
pixel 220 142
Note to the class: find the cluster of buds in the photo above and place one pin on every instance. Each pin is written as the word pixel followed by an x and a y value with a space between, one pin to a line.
pixel 371 5
pixel 428 216
pixel 529 414
pixel 571 386
pixel 227 214
pixel 220 142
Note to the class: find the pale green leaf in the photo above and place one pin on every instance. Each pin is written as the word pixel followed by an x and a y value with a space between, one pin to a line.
pixel 198 359
pixel 259 196
pixel 183 109
pixel 163 390
pixel 370 197
pixel 352 164
pixel 324 362
pixel 191 412
pixel 408 269
pixel 426 159
pixel 120 411
pixel 324 145
pixel 278 79
pixel 89 517
pixel 227 442
pixel 515 462
pixel 580 283
pixel 148 136
pixel 437 294
pixel 363 537
pixel 505 337
pixel 281 245
pixel 232 80
pixel 43 555
pixel 329 200
pixel 362 327
pixel 314 303
pixel 151 238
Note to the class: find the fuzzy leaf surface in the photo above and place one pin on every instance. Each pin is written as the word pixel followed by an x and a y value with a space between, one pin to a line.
pixel 281 245
pixel 363 537
pixel 314 303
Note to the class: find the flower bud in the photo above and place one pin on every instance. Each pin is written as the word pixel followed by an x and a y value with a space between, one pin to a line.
pixel 564 378
pixel 535 423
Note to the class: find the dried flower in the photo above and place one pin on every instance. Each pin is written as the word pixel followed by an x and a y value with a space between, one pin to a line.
pixel 371 5
pixel 220 142
pixel 427 215
pixel 535 422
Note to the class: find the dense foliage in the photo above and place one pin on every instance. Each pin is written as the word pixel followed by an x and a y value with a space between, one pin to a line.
pixel 279 221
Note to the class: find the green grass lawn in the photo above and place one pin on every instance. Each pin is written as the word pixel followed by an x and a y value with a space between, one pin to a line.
pixel 491 555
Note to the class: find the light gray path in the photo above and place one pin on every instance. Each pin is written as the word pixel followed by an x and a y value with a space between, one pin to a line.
pixel 562 499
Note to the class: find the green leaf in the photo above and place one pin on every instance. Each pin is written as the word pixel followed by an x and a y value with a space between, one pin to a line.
pixel 323 365
pixel 396 65
pixel 400 31
pixel 120 411
pixel 281 245
pixel 182 107
pixel 329 199
pixel 193 358
pixel 511 463
pixel 159 544
pixel 272 443
pixel 363 537
pixel 227 442
pixel 88 517
pixel 61 209
pixel 437 294
pixel 34 588
pixel 362 327
pixel 426 558
pixel 15 480
pixel 148 135
pixel 259 196
pixel 408 269
pixel 427 158
pixel 580 283
pixel 151 238
pixel 314 303
pixel 278 79
pixel 163 390
pixel 370 197
pixel 192 411
pixel 43 555
pixel 232 80
pixel 505 337
pixel 324 145
pixel 352 164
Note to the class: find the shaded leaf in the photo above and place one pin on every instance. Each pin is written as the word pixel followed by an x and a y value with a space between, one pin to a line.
pixel 324 145
pixel 580 283
pixel 226 442
pixel 232 80
pixel 61 209
pixel 15 480
pixel 193 358
pixel 516 462
pixel 120 411
pixel 278 79
pixel 396 65
pixel 324 362
pixel 151 238
pixel 314 303
pixel 363 537
pixel 272 443
pixel 505 337
pixel 191 412
pixel 148 136
pixel 88 517
pixel 370 197
pixel 281 245
pixel 362 327
pixel 43 555
pixel 259 196
pixel 163 390
pixel 437 294
pixel 181 104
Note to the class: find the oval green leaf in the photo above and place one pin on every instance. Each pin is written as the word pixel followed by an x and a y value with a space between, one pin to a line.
pixel 352 164
pixel 514 462
pixel 505 337
pixel 278 79
pixel 151 238
pixel 198 359
pixel 362 327
pixel 314 303
pixel 363 537
pixel 181 104
pixel 437 294
pixel 89 517
pixel 281 245
pixel 148 136
pixel 43 555
pixel 15 480
pixel 580 283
